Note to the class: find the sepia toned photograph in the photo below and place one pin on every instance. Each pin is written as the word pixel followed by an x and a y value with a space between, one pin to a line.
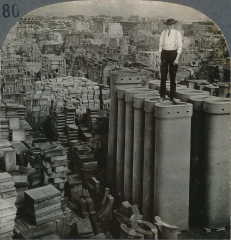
pixel 115 123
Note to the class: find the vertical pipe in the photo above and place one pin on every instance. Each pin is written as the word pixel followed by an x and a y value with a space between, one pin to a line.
pixel 128 153
pixel 216 161
pixel 138 146
pixel 184 95
pixel 120 140
pixel 196 158
pixel 172 162
pixel 148 171
pixel 118 79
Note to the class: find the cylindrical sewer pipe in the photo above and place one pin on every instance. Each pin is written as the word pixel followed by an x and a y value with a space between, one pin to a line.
pixel 153 84
pixel 148 168
pixel 184 95
pixel 172 162
pixel 178 86
pixel 196 158
pixel 118 79
pixel 138 146
pixel 121 139
pixel 216 161
pixel 129 132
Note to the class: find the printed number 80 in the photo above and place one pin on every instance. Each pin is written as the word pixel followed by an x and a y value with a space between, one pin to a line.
pixel 6 10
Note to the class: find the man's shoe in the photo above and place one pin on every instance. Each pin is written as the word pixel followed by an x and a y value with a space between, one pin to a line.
pixel 161 100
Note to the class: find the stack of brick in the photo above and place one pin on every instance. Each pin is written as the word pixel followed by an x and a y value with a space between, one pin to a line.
pixel 43 205
pixel 55 167
pixel 7 206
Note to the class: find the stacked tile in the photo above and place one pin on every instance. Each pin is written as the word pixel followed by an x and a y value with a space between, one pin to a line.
pixel 16 133
pixel 21 112
pixel 105 97
pixel 7 207
pixel 11 109
pixel 72 132
pixel 84 132
pixel 24 125
pixel 42 143
pixel 71 152
pixel 55 167
pixel 22 184
pixel 74 187
pixel 92 114
pixel 4 128
pixel 21 152
pixel 5 146
pixel 84 162
pixel 59 124
pixel 96 93
pixel 84 93
pixel 43 205
pixel 70 114
pixel 78 148
pixel 34 157
pixel 2 110
pixel 26 230
pixel 90 96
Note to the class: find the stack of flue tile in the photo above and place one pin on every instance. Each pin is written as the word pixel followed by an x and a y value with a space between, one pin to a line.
pixel 55 166
pixel 43 205
pixel 7 206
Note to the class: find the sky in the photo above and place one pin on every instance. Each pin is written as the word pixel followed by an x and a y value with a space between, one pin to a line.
pixel 121 8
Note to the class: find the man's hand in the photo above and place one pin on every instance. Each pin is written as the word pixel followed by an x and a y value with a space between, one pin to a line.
pixel 176 61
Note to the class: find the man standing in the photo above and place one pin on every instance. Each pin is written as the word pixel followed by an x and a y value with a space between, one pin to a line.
pixel 170 47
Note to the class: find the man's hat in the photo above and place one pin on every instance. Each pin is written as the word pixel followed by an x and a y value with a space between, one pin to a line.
pixel 170 21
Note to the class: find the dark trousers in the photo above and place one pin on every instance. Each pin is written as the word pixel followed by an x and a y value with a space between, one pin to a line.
pixel 167 59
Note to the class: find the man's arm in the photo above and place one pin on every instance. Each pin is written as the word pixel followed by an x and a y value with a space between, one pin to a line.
pixel 161 42
pixel 179 47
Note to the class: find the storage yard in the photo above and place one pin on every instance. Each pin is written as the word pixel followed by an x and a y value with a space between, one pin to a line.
pixel 86 149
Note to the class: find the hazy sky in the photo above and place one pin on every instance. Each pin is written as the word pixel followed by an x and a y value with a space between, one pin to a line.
pixel 122 8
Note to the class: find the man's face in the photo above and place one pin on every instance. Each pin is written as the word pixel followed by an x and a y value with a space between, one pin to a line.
pixel 170 27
